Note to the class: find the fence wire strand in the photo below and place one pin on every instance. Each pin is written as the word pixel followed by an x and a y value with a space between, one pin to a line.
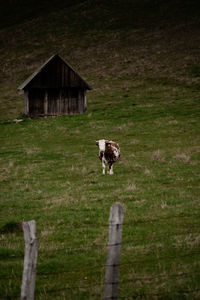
pixel 101 266
pixel 141 295
pixel 131 223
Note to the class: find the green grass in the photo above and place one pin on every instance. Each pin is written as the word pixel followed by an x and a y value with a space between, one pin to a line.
pixel 142 60
pixel 50 172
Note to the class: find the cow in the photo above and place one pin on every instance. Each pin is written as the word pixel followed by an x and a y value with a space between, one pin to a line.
pixel 109 153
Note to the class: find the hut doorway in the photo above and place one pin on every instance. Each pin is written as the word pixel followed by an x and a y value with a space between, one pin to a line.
pixel 36 102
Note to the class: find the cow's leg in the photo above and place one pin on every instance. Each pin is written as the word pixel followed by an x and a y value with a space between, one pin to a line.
pixel 110 169
pixel 103 166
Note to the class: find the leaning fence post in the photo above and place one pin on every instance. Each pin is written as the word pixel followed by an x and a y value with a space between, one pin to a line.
pixel 114 247
pixel 30 260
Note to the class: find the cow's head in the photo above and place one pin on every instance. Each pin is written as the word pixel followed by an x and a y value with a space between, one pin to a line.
pixel 102 144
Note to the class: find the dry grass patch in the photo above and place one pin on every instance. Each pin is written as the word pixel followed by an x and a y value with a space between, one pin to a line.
pixel 83 170
pixel 96 125
pixel 146 105
pixel 158 156
pixel 51 245
pixel 131 187
pixel 173 122
pixel 7 168
pixel 32 150
pixel 147 248
pixel 147 172
pixel 134 142
pixel 140 203
pixel 122 127
pixel 101 239
pixel 76 132
pixel 182 157
pixel 56 202
pixel 189 241
pixel 137 166
pixel 164 205
pixel 47 232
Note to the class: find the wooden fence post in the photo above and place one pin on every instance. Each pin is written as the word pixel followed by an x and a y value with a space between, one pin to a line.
pixel 114 247
pixel 30 260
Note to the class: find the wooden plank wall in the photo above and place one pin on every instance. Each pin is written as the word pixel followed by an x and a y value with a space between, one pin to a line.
pixel 54 102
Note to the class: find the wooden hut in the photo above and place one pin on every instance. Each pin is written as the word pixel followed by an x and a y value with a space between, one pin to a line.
pixel 54 89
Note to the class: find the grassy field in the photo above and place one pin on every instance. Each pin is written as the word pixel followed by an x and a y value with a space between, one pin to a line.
pixel 145 76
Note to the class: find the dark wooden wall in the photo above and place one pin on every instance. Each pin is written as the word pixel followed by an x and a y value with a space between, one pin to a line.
pixel 54 101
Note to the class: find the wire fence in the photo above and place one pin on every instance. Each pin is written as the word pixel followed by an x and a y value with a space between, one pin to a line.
pixel 141 259
pixel 131 223
pixel 153 237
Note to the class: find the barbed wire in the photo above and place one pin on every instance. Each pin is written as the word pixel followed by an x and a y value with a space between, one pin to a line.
pixel 160 276
pixel 138 295
pixel 72 287
pixel 62 289
pixel 181 215
pixel 87 268
pixel 95 245
pixel 157 294
pixel 96 267
pixel 132 223
pixel 126 242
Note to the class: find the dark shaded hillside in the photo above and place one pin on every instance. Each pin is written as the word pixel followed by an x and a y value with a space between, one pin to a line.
pixel 119 14
pixel 14 12
pixel 106 41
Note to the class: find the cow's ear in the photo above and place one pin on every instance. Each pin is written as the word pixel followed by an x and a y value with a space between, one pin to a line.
pixel 97 143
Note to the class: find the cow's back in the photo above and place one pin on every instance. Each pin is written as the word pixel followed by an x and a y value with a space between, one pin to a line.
pixel 112 152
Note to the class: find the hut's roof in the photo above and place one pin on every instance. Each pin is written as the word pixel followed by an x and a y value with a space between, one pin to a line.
pixel 41 68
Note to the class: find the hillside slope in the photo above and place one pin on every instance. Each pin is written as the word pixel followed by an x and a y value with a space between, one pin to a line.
pixel 142 60
pixel 105 41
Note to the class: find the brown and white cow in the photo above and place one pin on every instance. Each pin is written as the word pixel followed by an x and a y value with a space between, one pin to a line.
pixel 109 152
